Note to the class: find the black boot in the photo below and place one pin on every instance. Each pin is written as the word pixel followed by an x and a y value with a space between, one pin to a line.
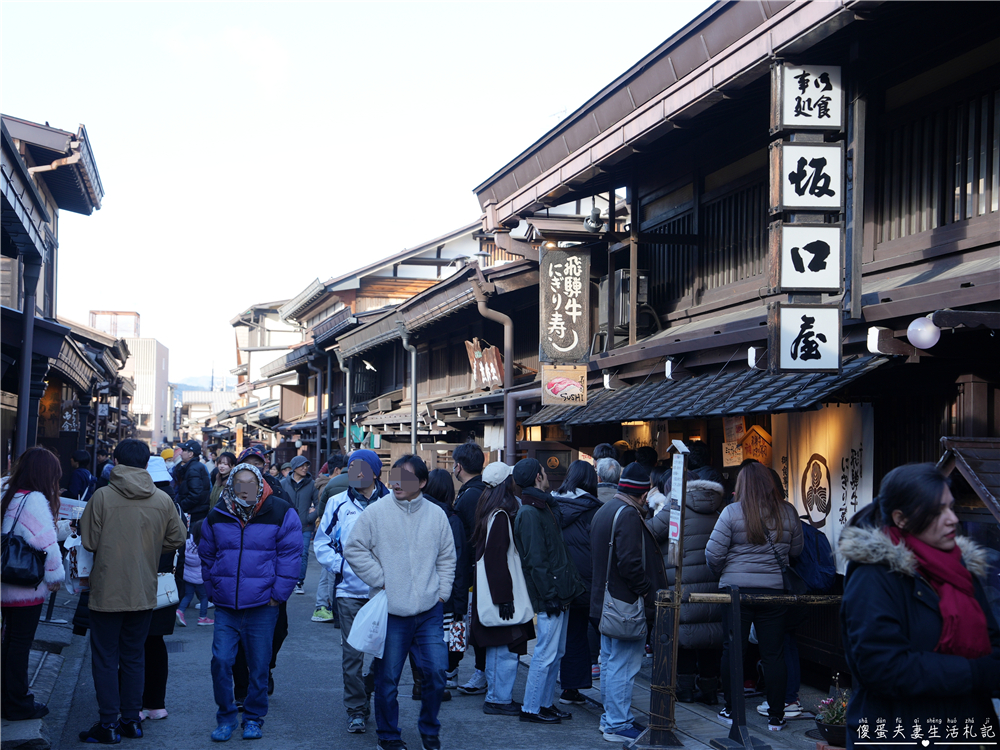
pixel 709 689
pixel 685 688
pixel 417 682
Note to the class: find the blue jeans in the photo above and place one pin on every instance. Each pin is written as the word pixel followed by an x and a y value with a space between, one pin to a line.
pixel 254 628
pixel 190 589
pixel 620 663
pixel 420 635
pixel 540 691
pixel 501 671
pixel 307 536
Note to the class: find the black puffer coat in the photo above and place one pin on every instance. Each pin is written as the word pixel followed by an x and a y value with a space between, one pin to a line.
pixel 891 625
pixel 548 568
pixel 459 601
pixel 701 624
pixel 577 512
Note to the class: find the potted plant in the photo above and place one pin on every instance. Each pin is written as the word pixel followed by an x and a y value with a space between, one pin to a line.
pixel 832 718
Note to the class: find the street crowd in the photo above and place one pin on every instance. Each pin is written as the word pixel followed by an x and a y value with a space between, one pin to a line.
pixel 574 569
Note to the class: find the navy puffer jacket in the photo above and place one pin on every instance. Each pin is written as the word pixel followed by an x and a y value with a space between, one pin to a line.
pixel 578 511
pixel 247 566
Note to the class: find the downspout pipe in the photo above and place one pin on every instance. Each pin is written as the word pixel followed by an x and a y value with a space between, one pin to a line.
pixel 405 335
pixel 319 405
pixel 32 271
pixel 510 401
pixel 479 289
pixel 345 367
pixel 329 401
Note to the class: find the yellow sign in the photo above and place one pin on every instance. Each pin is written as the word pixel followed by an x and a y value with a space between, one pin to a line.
pixel 564 384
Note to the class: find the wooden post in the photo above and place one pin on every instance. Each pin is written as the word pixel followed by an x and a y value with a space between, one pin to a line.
pixel 633 263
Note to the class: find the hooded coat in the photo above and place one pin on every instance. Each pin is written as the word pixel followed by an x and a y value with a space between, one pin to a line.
pixel 128 525
pixel 194 488
pixel 891 624
pixel 459 601
pixel 577 512
pixel 246 564
pixel 548 567
pixel 701 624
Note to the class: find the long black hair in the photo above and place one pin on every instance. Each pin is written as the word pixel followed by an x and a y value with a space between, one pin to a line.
pixel 500 497
pixel 914 489
pixel 580 476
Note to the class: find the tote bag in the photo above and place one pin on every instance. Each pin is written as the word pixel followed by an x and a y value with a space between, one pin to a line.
pixel 489 613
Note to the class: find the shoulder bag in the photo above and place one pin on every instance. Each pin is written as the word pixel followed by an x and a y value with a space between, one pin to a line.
pixel 625 621
pixel 166 589
pixel 20 563
pixel 792 581
pixel 489 613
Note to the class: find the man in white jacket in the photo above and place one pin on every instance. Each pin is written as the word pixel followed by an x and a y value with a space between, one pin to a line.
pixel 342 511
pixel 405 546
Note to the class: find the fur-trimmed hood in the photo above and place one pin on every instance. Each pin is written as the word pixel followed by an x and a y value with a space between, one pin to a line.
pixel 703 496
pixel 872 547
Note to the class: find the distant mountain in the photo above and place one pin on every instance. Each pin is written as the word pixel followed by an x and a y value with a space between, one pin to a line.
pixel 204 383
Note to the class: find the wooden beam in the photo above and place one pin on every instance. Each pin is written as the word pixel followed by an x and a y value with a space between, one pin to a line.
pixel 969 319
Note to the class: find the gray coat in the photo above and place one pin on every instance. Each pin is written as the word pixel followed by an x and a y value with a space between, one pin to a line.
pixel 302 495
pixel 747 565
pixel 701 624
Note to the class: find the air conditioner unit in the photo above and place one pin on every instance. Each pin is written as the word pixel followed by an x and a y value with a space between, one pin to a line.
pixel 621 297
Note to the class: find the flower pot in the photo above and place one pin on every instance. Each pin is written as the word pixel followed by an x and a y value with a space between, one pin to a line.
pixel 835 734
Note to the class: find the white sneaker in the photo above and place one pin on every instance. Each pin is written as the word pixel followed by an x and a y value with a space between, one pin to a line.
pixel 451 680
pixel 476 685
pixel 298 589
pixel 791 709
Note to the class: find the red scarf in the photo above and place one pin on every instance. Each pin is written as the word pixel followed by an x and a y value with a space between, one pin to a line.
pixel 963 627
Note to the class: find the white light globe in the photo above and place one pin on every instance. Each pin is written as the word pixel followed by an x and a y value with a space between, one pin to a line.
pixel 922 333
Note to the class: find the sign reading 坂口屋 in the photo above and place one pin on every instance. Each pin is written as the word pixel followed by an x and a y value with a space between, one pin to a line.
pixel 804 338
pixel 564 301
pixel 809 256
pixel 807 97
pixel 486 363
pixel 807 177
pixel 564 384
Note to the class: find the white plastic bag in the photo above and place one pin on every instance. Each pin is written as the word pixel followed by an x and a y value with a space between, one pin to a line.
pixel 368 631
pixel 78 563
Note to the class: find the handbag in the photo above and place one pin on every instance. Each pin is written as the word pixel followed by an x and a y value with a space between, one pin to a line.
pixel 458 636
pixel 791 581
pixel 625 621
pixel 166 589
pixel 20 563
pixel 489 613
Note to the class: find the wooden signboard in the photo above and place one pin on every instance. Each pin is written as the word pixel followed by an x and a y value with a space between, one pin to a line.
pixel 807 177
pixel 806 257
pixel 564 302
pixel 804 337
pixel 806 97
pixel 564 384
pixel 486 364
pixel 757 444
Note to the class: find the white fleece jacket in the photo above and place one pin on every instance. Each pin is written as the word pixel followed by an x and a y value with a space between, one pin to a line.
pixel 406 548
pixel 37 527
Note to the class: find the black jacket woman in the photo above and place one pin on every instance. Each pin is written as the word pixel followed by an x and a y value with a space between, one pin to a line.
pixel 701 635
pixel 918 632
pixel 750 538
pixel 504 643
pixel 577 500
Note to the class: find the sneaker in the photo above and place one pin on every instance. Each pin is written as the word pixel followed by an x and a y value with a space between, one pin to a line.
pixel 628 734
pixel 222 732
pixel 726 715
pixel 553 711
pixel 572 696
pixel 104 734
pixel 476 684
pixel 502 709
pixel 180 619
pixel 430 741
pixel 322 614
pixel 356 724
pixel 595 671
pixel 390 745
pixel 153 714
pixel 451 680
pixel 206 621
pixel 791 709
pixel 130 728
pixel 775 724
pixel 298 589
pixel 649 651
pixel 239 704
pixel 252 730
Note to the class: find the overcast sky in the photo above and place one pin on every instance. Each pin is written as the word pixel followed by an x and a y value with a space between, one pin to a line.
pixel 247 149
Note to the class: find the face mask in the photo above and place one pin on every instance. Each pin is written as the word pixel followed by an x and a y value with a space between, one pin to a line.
pixel 244 503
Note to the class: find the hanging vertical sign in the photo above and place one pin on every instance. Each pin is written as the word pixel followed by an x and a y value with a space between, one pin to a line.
pixel 806 97
pixel 564 384
pixel 804 338
pixel 807 177
pixel 808 257
pixel 564 301
pixel 486 363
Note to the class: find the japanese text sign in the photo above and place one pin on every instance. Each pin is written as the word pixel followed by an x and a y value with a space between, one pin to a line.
pixel 564 385
pixel 808 97
pixel 732 453
pixel 486 363
pixel 809 256
pixel 808 338
pixel 564 300
pixel 807 177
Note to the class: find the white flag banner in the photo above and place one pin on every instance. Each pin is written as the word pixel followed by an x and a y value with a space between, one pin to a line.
pixel 825 461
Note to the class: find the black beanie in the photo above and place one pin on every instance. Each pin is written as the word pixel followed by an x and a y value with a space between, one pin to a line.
pixel 634 480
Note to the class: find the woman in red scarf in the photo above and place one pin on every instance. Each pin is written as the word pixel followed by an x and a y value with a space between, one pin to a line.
pixel 919 636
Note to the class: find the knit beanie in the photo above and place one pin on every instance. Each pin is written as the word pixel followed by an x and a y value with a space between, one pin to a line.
pixel 525 472
pixel 634 480
pixel 369 457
